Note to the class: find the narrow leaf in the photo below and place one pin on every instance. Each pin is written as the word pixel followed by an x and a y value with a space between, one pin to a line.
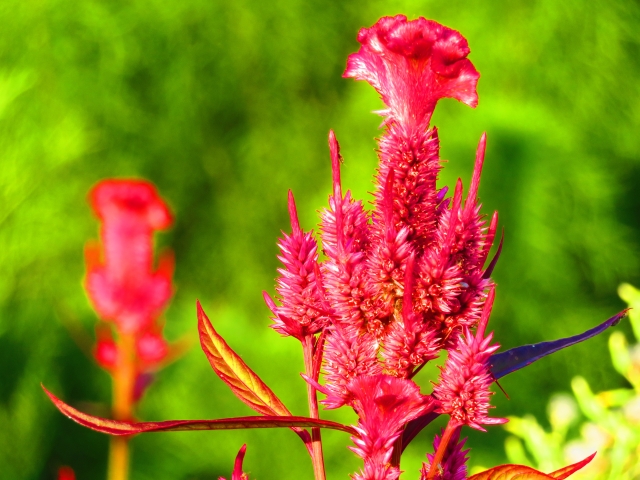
pixel 494 261
pixel 114 427
pixel 520 472
pixel 566 471
pixel 511 472
pixel 414 427
pixel 507 362
pixel 242 381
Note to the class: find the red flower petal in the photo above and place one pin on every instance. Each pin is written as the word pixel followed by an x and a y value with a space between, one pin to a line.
pixel 412 64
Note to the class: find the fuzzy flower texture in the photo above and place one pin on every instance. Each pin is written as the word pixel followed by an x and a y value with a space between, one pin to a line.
pixel 408 279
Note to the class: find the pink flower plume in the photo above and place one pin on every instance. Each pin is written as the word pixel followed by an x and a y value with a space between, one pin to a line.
pixel 301 312
pixel 463 391
pixel 122 282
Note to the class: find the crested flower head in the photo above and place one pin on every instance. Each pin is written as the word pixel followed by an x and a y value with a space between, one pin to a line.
pixel 123 284
pixel 401 282
pixel 412 64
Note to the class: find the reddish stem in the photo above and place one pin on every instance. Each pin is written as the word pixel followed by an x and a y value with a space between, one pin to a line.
pixel 316 440
pixel 444 441
pixel 397 452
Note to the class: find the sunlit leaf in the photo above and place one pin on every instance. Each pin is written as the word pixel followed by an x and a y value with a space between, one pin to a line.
pixel 504 363
pixel 521 472
pixel 114 427
pixel 242 381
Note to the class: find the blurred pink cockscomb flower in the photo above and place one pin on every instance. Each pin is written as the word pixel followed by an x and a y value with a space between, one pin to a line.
pixel 125 287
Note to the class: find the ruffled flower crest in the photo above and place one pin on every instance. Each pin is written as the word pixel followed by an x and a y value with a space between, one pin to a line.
pixel 412 65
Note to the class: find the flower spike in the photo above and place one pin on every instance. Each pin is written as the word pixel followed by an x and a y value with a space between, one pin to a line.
pixel 336 160
pixel 453 463
pixel 301 312
pixel 472 196
pixel 238 474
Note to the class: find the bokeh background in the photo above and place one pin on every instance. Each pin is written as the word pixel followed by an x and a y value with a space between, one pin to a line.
pixel 225 106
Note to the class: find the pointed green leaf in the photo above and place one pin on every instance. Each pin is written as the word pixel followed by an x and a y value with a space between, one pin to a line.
pixel 242 381
pixel 114 427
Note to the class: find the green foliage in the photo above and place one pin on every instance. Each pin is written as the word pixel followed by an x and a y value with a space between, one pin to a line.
pixel 226 105
pixel 610 423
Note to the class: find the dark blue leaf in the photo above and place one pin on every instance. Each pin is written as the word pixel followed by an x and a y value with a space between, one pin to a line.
pixel 504 363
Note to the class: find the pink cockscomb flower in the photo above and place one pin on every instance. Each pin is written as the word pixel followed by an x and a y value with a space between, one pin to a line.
pixel 129 293
pixel 125 288
pixel 302 312
pixel 413 64
pixel 384 404
pixel 463 390
pixel 403 280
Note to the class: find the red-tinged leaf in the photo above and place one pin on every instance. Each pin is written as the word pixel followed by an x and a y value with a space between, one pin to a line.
pixel 504 363
pixel 114 427
pixel 520 472
pixel 511 472
pixel 566 471
pixel 242 381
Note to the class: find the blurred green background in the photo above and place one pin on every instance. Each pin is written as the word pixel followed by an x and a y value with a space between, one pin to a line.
pixel 225 106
